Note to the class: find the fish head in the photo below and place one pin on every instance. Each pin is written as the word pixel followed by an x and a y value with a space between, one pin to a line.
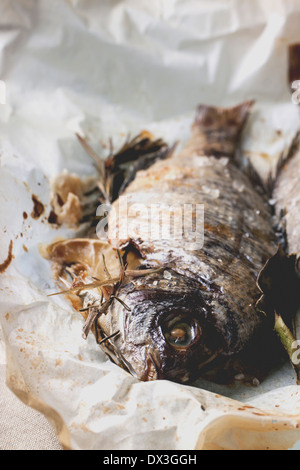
pixel 165 330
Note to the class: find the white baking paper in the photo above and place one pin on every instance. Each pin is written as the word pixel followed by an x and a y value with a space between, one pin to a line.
pixel 106 69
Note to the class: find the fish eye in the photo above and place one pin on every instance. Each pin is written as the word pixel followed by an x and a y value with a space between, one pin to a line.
pixel 181 332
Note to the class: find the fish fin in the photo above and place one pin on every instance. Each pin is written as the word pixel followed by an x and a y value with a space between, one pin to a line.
pixel 285 157
pixel 144 162
pixel 120 168
pixel 245 164
pixel 287 154
pixel 217 130
pixel 221 129
pixel 92 258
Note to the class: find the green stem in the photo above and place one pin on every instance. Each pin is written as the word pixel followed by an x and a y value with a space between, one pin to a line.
pixel 288 341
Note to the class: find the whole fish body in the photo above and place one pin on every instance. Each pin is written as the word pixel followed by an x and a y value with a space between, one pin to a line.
pixel 201 308
pixel 285 265
pixel 286 188
pixel 280 278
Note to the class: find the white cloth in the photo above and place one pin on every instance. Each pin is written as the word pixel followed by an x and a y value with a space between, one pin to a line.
pixel 21 427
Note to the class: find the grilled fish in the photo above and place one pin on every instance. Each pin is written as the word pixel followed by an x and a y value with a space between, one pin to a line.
pixel 202 308
pixel 280 278
pixel 193 308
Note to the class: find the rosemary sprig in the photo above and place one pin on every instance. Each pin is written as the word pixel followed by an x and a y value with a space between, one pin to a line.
pixel 99 164
pixel 109 282
pixel 94 314
pixel 108 337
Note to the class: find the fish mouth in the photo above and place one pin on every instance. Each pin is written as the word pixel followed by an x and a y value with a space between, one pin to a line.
pixel 145 368
pixel 152 366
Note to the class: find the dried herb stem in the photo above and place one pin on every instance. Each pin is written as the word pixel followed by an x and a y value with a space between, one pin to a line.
pixel 99 163
pixel 108 337
pixel 105 267
pixel 94 314
pixel 109 282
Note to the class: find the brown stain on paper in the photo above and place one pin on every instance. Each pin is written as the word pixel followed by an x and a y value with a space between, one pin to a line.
pixel 8 260
pixel 38 208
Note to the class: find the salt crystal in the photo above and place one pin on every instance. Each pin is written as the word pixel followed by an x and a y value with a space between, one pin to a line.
pixel 214 193
pixel 238 186
pixel 240 377
pixel 255 382
pixel 167 275
pixel 224 161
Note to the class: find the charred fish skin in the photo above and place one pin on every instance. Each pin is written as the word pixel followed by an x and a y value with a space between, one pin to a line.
pixel 205 309
pixel 286 195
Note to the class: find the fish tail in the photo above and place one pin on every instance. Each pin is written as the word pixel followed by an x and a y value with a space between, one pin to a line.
pixel 216 131
pixel 294 147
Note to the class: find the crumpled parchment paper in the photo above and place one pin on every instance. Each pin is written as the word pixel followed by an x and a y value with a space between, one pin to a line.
pixel 106 69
